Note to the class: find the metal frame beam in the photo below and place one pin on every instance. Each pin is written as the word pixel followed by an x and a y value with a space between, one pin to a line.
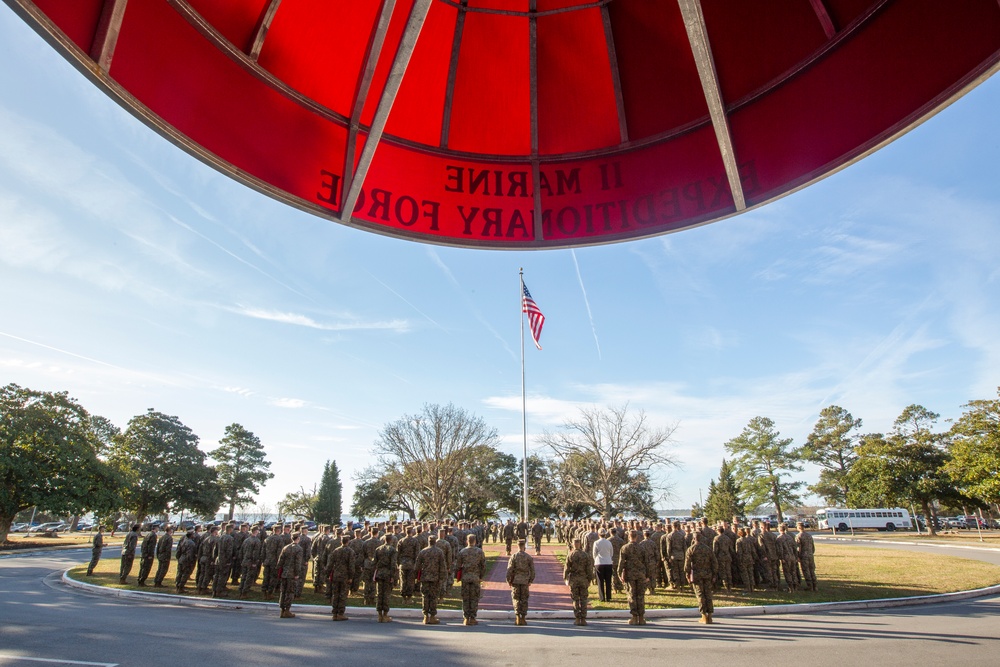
pixel 824 18
pixel 106 36
pixel 418 14
pixel 260 30
pixel 616 81
pixel 694 23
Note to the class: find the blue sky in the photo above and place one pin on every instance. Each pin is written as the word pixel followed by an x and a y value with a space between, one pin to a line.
pixel 134 277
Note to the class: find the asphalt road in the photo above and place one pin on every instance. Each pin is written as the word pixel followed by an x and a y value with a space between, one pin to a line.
pixel 44 622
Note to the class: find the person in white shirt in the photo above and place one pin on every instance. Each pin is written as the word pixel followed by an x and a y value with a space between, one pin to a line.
pixel 604 560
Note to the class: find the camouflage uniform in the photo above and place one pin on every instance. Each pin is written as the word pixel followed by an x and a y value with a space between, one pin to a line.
pixel 290 563
pixel 272 549
pixel 357 545
pixel 578 572
pixel 206 562
pixel 677 546
pixel 407 551
pixel 746 550
pixel 471 568
pixel 147 554
pixel 520 574
pixel 187 556
pixel 368 548
pixel 652 550
pixel 223 563
pixel 431 571
pixel 508 535
pixel 722 547
pixel 384 567
pixel 788 558
pixel 239 537
pixel 251 556
pixel 128 554
pixel 537 531
pixel 341 571
pixel 95 551
pixel 305 543
pixel 319 547
pixel 633 570
pixel 701 567
pixel 616 545
pixel 806 551
pixel 770 563
pixel 445 546
pixel 164 550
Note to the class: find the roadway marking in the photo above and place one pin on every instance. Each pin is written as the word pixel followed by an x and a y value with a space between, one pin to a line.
pixel 58 662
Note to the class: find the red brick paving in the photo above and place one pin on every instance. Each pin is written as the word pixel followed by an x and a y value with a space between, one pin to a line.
pixel 548 592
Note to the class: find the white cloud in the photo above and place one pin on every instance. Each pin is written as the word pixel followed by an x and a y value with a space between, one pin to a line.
pixel 399 326
pixel 293 403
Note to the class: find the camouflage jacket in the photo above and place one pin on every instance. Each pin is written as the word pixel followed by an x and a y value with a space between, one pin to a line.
pixel 746 550
pixel 130 543
pixel 272 549
pixel 806 548
pixel 148 549
pixel 700 562
pixel 407 550
pixel 520 569
pixel 430 565
pixel 252 551
pixel 340 564
pixel 224 551
pixel 187 551
pixel 164 547
pixel 471 561
pixel 206 550
pixel 385 564
pixel 786 547
pixel 290 561
pixel 632 562
pixel 722 546
pixel 579 568
pixel 678 544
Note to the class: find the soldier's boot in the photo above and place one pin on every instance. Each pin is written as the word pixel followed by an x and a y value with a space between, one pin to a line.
pixel 473 621
pixel 576 621
pixel 427 619
pixel 386 618
pixel 583 621
pixel 634 620
pixel 285 613
pixel 466 621
pixel 524 620
pixel 640 620
pixel 703 619
pixel 709 619
pixel 381 617
pixel 433 620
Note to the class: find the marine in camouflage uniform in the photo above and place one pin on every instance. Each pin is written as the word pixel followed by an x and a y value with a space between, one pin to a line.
pixel 223 563
pixel 431 571
pixel 520 575
pixel 206 559
pixel 407 550
pixel 385 567
pixel 187 557
pixel 341 571
pixel 251 557
pixel 770 563
pixel 537 530
pixel 272 549
pixel 578 572
pixel 508 534
pixel 445 546
pixel 368 566
pixel 746 549
pixel 787 556
pixel 147 554
pixel 305 543
pixel 97 546
pixel 722 547
pixel 806 552
pixel 652 558
pixel 677 546
pixel 634 571
pixel 290 564
pixel 239 537
pixel 616 549
pixel 357 545
pixel 701 568
pixel 323 540
pixel 470 568
pixel 128 553
pixel 164 550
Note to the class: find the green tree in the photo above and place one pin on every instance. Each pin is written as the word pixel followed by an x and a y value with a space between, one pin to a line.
pixel 241 465
pixel 329 500
pixel 300 504
pixel 723 500
pixel 163 468
pixel 831 447
pixel 543 488
pixel 975 450
pixel 907 466
pixel 606 458
pixel 49 457
pixel 378 492
pixel 762 462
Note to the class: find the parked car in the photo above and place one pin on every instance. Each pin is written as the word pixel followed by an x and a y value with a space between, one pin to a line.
pixel 50 527
pixel 84 525
pixel 18 527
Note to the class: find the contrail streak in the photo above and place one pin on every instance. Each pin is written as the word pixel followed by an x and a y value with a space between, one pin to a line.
pixel 586 301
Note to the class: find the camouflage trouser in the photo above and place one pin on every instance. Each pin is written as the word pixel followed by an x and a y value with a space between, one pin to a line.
pixel 206 573
pixel 383 589
pixel 162 566
pixel 95 556
pixel 471 592
pixel 580 595
pixel 725 577
pixel 303 575
pixel 319 575
pixel 519 596
pixel 775 572
pixel 746 574
pixel 791 569
pixel 339 590
pixel 407 581
pixel 236 569
pixel 286 592
pixel 184 571
pixel 145 565
pixel 677 578
pixel 126 568
pixel 703 591
pixel 538 544
pixel 616 579
pixel 248 577
pixel 270 581
pixel 637 597
pixel 809 572
pixel 222 571
pixel 508 543
pixel 429 591
pixel 366 576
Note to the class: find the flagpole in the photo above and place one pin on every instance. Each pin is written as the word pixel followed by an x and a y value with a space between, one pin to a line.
pixel 524 403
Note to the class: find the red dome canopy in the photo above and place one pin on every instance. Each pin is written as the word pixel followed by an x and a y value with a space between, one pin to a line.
pixel 527 123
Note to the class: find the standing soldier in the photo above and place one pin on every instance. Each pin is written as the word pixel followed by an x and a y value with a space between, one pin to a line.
pixel 385 568
pixel 272 549
pixel 633 570
pixel 239 537
pixel 470 570
pixel 341 571
pixel 187 556
pixel 147 554
pixel 616 550
pixel 520 575
pixel 771 564
pixel 701 568
pixel 251 556
pixel 289 572
pixel 746 550
pixel 537 531
pixel 95 550
pixel 198 536
pixel 677 542
pixel 431 571
pixel 788 557
pixel 128 553
pixel 368 548
pixel 224 549
pixel 652 558
pixel 722 547
pixel 508 534
pixel 319 547
pixel 445 546
pixel 164 550
pixel 357 545
pixel 806 551
pixel 305 543
pixel 206 560
pixel 577 573
pixel 407 551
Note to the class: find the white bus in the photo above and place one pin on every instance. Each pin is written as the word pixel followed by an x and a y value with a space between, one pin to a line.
pixel 880 518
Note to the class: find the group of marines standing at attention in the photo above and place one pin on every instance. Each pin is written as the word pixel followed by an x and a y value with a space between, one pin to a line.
pixel 427 559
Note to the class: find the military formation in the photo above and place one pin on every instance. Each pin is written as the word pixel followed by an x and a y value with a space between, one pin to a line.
pixel 426 559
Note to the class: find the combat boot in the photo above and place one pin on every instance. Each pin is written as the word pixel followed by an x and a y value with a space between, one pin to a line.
pixel 285 613
pixel 380 618
pixel 640 620
pixel 386 618
pixel 708 618
pixel 634 620
pixel 583 621
pixel 703 619
pixel 427 619
pixel 433 620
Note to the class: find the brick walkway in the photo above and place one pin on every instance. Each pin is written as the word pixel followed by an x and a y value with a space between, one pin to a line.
pixel 548 592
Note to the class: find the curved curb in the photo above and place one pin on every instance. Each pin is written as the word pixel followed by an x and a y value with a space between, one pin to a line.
pixel 493 614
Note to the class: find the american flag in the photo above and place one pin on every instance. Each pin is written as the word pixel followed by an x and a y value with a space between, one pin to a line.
pixel 535 317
